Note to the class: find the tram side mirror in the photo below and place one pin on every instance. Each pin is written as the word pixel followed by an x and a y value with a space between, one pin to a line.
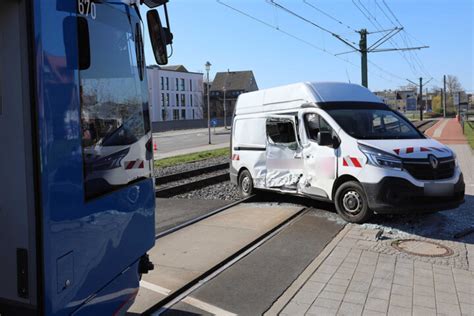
pixel 324 139
pixel 154 3
pixel 159 36
pixel 78 54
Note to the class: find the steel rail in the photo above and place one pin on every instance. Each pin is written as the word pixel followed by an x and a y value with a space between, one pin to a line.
pixel 204 216
pixel 172 190
pixel 184 291
pixel 189 174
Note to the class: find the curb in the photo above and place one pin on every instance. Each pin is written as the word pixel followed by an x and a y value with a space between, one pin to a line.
pixel 429 132
pixel 291 291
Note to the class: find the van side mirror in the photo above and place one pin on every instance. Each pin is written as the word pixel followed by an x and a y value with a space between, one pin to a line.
pixel 159 36
pixel 324 139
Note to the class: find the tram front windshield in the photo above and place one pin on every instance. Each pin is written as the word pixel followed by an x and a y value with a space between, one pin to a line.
pixel 114 111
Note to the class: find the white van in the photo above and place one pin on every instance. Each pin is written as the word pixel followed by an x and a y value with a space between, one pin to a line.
pixel 338 142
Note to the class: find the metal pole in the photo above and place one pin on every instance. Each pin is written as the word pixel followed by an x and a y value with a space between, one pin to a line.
pixel 363 53
pixel 459 103
pixel 225 120
pixel 444 96
pixel 421 99
pixel 208 108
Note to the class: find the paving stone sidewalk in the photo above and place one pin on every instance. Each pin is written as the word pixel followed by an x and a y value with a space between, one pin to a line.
pixel 363 275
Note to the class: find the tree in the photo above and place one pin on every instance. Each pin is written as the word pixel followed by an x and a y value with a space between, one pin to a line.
pixel 436 104
pixel 452 84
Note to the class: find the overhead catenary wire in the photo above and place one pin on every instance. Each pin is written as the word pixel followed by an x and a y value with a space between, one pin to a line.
pixel 369 16
pixel 291 12
pixel 269 25
pixel 348 42
pixel 329 15
pixel 412 54
pixel 404 35
pixel 366 13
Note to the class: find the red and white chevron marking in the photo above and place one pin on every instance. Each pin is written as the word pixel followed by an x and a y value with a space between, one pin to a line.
pixel 351 162
pixel 410 150
pixel 136 164
pixel 235 157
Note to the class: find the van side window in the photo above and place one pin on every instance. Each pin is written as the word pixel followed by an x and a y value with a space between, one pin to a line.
pixel 315 124
pixel 282 133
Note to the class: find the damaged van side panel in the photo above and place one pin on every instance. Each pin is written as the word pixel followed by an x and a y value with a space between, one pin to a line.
pixel 248 151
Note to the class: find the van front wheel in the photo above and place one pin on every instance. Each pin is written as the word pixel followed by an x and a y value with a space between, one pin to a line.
pixel 351 203
pixel 245 184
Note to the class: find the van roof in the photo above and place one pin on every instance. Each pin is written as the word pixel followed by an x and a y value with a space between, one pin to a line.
pixel 295 95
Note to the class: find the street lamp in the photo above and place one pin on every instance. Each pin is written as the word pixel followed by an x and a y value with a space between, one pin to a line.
pixel 225 119
pixel 208 67
pixel 224 89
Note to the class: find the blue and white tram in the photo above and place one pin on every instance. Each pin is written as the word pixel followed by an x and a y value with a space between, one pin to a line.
pixel 76 196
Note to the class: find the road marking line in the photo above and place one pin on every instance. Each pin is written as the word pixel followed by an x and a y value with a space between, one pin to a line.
pixel 188 300
pixel 155 288
pixel 207 307
pixel 439 129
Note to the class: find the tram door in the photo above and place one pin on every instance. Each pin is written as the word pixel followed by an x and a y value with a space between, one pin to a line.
pixel 77 198
pixel 18 273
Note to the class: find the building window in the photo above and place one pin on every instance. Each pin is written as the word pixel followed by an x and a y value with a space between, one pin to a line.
pixel 191 100
pixel 177 99
pixel 183 114
pixel 190 85
pixel 162 83
pixel 167 83
pixel 183 100
pixel 182 85
pixel 177 84
pixel 193 115
pixel 175 115
pixel 164 115
pixel 163 99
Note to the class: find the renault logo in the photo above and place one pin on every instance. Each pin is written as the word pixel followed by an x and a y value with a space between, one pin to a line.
pixel 433 161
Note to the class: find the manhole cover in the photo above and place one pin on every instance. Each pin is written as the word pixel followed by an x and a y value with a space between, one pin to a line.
pixel 422 248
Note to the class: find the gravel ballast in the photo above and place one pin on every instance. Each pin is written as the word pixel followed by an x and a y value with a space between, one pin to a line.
pixel 221 191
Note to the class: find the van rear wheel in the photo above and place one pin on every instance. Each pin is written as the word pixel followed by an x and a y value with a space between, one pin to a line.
pixel 245 184
pixel 351 202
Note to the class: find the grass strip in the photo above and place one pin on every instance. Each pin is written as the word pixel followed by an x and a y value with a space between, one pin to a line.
pixel 176 160
pixel 469 132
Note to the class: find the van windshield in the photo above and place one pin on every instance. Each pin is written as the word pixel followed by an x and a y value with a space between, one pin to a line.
pixel 371 121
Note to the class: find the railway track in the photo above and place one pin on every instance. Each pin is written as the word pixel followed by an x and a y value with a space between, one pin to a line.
pixel 422 126
pixel 182 182
pixel 202 217
pixel 175 297
pixel 191 173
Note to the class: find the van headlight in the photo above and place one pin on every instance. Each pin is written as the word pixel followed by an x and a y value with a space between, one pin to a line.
pixel 380 158
pixel 455 157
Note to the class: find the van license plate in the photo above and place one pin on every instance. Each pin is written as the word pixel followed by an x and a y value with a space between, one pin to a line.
pixel 439 189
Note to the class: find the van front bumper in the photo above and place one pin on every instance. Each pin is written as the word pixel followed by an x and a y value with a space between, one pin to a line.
pixel 397 195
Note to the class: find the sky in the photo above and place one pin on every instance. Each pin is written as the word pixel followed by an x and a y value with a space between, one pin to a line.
pixel 282 49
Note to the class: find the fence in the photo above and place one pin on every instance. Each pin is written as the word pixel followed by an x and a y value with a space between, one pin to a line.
pixel 466 117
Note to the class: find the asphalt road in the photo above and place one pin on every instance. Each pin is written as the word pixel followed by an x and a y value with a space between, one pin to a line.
pixel 254 283
pixel 188 139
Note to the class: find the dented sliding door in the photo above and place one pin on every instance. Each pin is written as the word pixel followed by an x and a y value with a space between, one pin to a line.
pixel 283 154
